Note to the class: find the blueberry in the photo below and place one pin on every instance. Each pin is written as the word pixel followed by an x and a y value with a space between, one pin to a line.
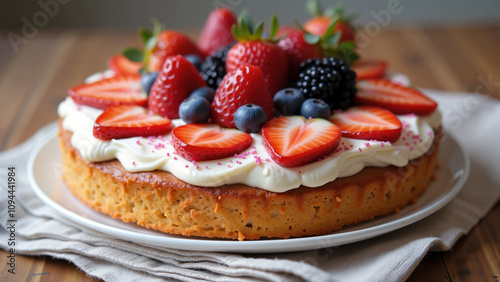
pixel 194 109
pixel 288 101
pixel 315 108
pixel 147 81
pixel 204 92
pixel 250 118
pixel 195 60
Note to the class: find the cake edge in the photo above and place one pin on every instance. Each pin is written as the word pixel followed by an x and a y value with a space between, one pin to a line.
pixel 160 201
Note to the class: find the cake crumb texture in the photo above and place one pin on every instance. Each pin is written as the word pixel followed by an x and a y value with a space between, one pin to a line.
pixel 160 201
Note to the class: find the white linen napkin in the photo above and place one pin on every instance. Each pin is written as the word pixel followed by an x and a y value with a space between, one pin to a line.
pixel 471 118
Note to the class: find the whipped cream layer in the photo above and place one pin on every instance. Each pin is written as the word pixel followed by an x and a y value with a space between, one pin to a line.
pixel 252 167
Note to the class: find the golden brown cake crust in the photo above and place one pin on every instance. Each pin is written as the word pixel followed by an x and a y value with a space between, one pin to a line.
pixel 160 201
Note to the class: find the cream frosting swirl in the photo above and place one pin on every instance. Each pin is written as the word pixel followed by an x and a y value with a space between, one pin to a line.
pixel 254 166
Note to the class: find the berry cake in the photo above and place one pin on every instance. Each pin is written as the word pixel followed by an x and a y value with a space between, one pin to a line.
pixel 247 134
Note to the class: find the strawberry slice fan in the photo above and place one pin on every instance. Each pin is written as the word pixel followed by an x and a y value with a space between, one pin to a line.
pixel 202 142
pixel 394 97
pixel 117 90
pixel 366 69
pixel 295 141
pixel 125 121
pixel 120 64
pixel 368 123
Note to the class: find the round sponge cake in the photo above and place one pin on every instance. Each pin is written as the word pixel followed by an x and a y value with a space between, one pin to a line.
pixel 160 201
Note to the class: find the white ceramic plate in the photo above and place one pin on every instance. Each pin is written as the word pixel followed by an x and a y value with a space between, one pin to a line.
pixel 45 177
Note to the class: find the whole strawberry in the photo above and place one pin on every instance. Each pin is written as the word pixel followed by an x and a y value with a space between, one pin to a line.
pixel 176 80
pixel 321 20
pixel 160 44
pixel 169 43
pixel 297 49
pixel 216 32
pixel 244 85
pixel 253 49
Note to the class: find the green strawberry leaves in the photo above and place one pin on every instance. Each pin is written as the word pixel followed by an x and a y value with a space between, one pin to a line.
pixel 149 38
pixel 133 54
pixel 330 43
pixel 244 30
pixel 314 8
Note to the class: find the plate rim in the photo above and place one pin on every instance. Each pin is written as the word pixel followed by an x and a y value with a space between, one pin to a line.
pixel 255 246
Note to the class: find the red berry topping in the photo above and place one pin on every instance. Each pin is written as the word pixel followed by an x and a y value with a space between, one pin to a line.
pixel 170 43
pixel 393 97
pixel 322 19
pixel 119 64
pixel 294 140
pixel 368 123
pixel 253 49
pixel 176 80
pixel 271 59
pixel 244 85
pixel 366 69
pixel 297 49
pixel 117 90
pixel 204 141
pixel 129 121
pixel 216 32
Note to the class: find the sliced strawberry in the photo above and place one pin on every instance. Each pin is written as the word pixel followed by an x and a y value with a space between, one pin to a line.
pixel 368 123
pixel 117 90
pixel 244 85
pixel 217 32
pixel 119 64
pixel 366 69
pixel 294 140
pixel 176 80
pixel 118 122
pixel 393 97
pixel 205 141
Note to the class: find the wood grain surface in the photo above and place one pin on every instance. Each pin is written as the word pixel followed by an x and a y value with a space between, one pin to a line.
pixel 34 81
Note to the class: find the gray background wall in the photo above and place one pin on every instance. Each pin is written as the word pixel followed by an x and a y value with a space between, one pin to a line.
pixel 190 14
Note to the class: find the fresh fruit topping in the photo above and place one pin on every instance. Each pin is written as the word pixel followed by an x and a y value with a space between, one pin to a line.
pixel 297 49
pixel 203 141
pixel 117 90
pixel 213 69
pixel 194 109
pixel 393 97
pixel 250 118
pixel 195 60
pixel 244 85
pixel 366 69
pixel 321 20
pixel 329 79
pixel 315 108
pixel 158 45
pixel 368 123
pixel 147 81
pixel 204 92
pixel 288 101
pixel 216 32
pixel 119 64
pixel 253 49
pixel 171 43
pixel 331 31
pixel 294 140
pixel 126 121
pixel 177 79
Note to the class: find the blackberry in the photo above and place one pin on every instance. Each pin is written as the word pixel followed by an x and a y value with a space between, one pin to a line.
pixel 213 69
pixel 329 79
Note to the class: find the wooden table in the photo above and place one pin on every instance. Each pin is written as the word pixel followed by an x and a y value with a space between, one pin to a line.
pixel 34 81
